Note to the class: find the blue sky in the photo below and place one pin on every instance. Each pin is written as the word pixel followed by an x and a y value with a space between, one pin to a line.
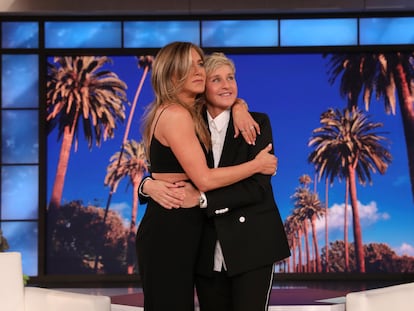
pixel 293 90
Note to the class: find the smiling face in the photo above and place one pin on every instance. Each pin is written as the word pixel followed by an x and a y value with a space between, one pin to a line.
pixel 221 89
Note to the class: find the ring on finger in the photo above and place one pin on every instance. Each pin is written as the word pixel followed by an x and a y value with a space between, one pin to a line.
pixel 252 127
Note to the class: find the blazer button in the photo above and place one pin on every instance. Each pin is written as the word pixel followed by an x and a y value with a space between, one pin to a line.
pixel 242 219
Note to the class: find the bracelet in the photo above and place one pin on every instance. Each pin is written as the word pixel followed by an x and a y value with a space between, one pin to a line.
pixel 140 191
pixel 203 200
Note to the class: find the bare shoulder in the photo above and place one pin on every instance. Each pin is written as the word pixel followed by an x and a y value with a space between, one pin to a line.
pixel 174 120
pixel 175 112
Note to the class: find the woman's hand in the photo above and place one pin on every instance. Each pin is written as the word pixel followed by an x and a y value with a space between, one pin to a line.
pixel 168 195
pixel 181 194
pixel 244 123
pixel 268 161
pixel 192 195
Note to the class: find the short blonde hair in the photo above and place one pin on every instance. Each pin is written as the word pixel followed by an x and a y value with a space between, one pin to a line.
pixel 216 60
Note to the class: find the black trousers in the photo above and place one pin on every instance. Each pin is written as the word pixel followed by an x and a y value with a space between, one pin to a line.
pixel 167 247
pixel 248 291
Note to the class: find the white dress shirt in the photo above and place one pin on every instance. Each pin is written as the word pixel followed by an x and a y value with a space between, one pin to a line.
pixel 218 128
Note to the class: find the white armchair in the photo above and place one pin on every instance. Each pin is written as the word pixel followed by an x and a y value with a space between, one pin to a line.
pixel 390 298
pixel 14 296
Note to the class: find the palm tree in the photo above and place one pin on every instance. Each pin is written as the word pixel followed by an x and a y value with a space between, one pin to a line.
pixel 305 180
pixel 300 214
pixel 77 91
pixel 384 75
pixel 291 228
pixel 295 226
pixel 146 63
pixel 328 169
pixel 129 163
pixel 314 211
pixel 348 145
pixel 309 206
pixel 300 211
pixel 291 237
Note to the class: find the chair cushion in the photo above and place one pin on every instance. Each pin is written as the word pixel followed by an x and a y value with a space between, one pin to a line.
pixel 390 298
pixel 11 282
pixel 42 299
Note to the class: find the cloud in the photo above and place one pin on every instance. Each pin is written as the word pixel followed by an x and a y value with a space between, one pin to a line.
pixel 124 210
pixel 405 249
pixel 368 215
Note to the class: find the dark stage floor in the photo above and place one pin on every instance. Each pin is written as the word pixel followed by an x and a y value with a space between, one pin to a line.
pixel 292 295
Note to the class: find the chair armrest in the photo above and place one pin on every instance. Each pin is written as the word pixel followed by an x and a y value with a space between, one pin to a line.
pixel 41 299
pixel 390 298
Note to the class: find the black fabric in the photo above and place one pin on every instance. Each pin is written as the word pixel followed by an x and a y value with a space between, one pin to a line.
pixel 163 159
pixel 250 231
pixel 249 291
pixel 167 244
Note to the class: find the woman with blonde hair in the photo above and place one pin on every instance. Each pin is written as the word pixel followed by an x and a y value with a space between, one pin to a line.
pixel 178 143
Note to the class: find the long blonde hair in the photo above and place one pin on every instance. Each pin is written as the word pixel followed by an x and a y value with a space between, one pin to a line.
pixel 172 61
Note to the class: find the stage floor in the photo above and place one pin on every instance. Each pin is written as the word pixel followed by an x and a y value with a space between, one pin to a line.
pixel 281 299
pixel 287 296
pixel 295 298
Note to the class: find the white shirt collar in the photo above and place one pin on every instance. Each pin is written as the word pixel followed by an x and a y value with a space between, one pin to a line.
pixel 221 121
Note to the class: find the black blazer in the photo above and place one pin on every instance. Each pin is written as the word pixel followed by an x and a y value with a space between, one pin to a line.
pixel 244 216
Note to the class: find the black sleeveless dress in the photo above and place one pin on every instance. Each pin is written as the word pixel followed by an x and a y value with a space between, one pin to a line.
pixel 167 244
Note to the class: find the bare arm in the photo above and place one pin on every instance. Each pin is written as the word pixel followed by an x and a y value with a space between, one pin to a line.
pixel 176 129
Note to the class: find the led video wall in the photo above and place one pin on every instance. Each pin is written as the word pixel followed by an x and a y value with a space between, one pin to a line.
pixel 304 87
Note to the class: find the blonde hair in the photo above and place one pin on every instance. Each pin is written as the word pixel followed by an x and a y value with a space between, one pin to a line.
pixel 170 69
pixel 216 60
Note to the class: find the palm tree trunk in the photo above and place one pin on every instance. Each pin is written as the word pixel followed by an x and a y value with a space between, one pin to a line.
pixel 57 191
pixel 307 251
pixel 134 104
pixel 62 167
pixel 407 115
pixel 294 268
pixel 346 247
pixel 359 247
pixel 133 227
pixel 315 245
pixel 300 265
pixel 326 224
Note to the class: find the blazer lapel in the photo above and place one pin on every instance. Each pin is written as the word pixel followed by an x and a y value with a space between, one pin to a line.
pixel 209 153
pixel 230 146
